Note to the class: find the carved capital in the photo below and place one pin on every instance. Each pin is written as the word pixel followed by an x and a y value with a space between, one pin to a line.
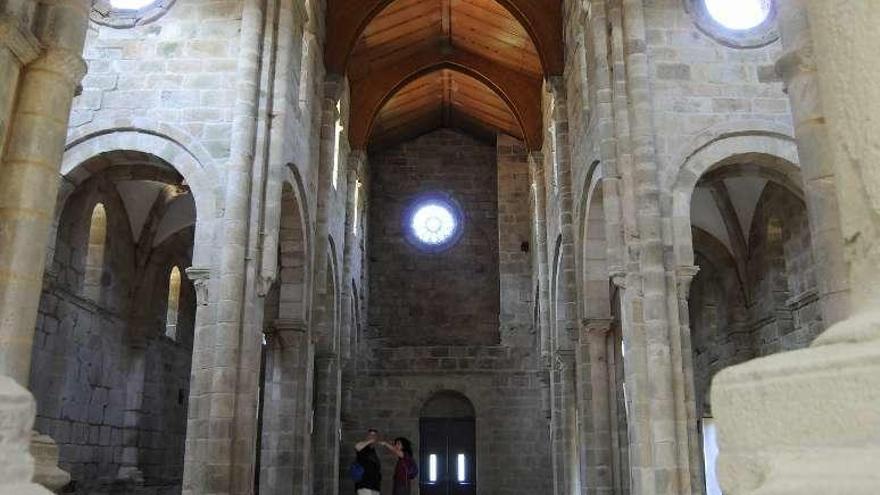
pixel 200 277
pixel 684 276
pixel 63 62
pixel 21 42
pixel 596 326
pixel 264 283
pixel 618 277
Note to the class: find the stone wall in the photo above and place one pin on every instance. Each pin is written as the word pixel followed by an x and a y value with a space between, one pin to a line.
pixel 175 70
pixel 514 244
pixel 85 349
pixel 508 389
pixel 451 297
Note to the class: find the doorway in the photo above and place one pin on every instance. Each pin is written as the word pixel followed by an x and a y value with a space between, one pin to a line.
pixel 447 443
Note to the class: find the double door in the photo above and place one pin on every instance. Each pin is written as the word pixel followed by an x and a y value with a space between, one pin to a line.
pixel 447 455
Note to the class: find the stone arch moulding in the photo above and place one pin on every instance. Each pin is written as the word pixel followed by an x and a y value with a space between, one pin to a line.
pixel 542 19
pixel 521 93
pixel 269 269
pixel 775 152
pixel 460 389
pixel 196 168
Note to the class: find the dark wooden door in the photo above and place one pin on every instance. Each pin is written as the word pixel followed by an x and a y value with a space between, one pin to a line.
pixel 448 456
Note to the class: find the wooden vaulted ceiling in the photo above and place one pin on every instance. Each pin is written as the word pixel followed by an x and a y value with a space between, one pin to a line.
pixel 443 98
pixel 415 65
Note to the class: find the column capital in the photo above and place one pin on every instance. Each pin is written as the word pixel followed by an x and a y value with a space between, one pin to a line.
pixel 684 275
pixel 63 62
pixel 21 42
pixel 597 326
pixel 618 277
pixel 200 277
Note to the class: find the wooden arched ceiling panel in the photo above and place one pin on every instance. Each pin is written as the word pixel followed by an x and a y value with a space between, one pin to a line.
pixel 443 98
pixel 492 41
pixel 541 20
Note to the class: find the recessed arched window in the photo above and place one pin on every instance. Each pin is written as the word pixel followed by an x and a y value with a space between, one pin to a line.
pixel 172 312
pixel 94 268
pixel 433 223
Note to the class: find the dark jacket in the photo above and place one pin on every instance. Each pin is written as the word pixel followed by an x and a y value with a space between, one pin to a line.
pixel 372 478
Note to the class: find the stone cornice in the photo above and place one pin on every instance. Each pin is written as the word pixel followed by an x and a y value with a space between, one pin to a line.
pixel 21 42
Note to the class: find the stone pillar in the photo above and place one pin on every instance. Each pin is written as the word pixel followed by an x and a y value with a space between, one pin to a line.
pixel 325 445
pixel 284 428
pixel 222 424
pixel 539 265
pixel 595 397
pixel 17 410
pixel 29 179
pixel 797 67
pixel 654 374
pixel 684 276
pixel 566 461
pixel 18 48
pixel 806 422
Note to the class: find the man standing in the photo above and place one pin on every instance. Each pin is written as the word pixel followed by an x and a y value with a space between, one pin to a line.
pixel 371 482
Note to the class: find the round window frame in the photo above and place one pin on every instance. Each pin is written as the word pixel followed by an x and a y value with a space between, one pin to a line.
pixel 443 199
pixel 105 14
pixel 759 36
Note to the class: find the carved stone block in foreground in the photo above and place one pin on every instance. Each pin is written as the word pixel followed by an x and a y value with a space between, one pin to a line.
pixel 17 411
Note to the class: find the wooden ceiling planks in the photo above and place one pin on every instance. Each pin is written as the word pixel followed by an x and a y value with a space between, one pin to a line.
pixel 443 98
pixel 473 59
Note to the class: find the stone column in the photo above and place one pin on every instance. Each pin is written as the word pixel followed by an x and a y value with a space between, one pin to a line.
pixel 596 396
pixel 566 461
pixel 797 67
pixel 29 179
pixel 222 424
pixel 806 422
pixel 325 445
pixel 536 176
pixel 18 48
pixel 653 367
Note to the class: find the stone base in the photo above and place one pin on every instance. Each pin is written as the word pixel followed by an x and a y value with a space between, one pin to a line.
pixel 17 412
pixel 46 470
pixel 803 422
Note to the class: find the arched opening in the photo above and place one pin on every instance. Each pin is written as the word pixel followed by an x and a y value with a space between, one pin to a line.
pixel 755 293
pixel 107 369
pixel 286 405
pixel 447 441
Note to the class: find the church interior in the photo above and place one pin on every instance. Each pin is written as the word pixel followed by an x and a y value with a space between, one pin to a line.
pixel 565 247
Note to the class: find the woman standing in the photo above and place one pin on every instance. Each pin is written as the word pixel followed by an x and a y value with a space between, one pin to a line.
pixel 406 468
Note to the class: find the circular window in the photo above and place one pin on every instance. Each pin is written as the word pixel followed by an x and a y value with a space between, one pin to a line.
pixel 433 223
pixel 737 23
pixel 739 14
pixel 131 4
pixel 128 13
